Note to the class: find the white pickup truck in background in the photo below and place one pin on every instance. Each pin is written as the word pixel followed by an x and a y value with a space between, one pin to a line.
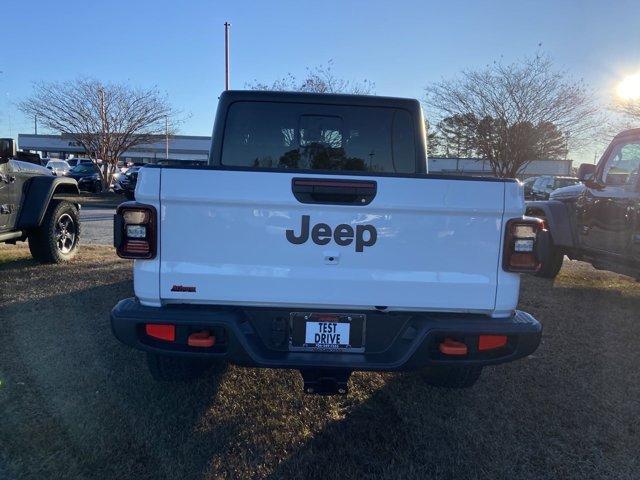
pixel 316 240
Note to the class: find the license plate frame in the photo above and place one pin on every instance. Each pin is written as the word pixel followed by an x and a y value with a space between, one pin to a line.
pixel 298 324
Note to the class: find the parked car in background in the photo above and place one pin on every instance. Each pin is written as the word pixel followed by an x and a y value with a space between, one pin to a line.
pixel 126 182
pixel 88 177
pixel 572 191
pixel 73 162
pixel 117 180
pixel 58 167
pixel 598 221
pixel 121 168
pixel 542 187
pixel 527 184
pixel 129 180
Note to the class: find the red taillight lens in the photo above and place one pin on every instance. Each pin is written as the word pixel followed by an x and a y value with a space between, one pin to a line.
pixel 161 331
pixel 490 342
pixel 136 247
pixel 520 245
pixel 135 231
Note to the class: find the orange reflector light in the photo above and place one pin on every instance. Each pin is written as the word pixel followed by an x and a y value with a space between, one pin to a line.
pixel 452 347
pixel 489 342
pixel 202 339
pixel 161 331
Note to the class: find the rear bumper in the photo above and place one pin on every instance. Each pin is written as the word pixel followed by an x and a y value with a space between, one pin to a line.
pixel 258 337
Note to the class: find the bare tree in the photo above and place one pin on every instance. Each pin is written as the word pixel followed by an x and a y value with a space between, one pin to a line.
pixel 319 79
pixel 510 109
pixel 106 119
pixel 630 110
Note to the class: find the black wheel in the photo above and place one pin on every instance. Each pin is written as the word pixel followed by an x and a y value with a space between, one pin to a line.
pixel 166 368
pixel 552 266
pixel 97 187
pixel 56 240
pixel 452 377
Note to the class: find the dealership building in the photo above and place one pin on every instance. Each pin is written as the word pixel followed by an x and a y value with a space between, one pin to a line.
pixel 479 166
pixel 189 148
pixel 182 148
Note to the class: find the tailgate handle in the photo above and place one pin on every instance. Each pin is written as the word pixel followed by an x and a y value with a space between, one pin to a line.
pixel 334 192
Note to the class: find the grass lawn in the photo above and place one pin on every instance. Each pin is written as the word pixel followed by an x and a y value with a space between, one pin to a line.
pixel 75 403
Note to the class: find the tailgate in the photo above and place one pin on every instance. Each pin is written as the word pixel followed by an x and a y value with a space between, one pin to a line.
pixel 238 237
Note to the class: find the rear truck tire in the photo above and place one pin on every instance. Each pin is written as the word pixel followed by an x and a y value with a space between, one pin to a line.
pixel 56 239
pixel 552 266
pixel 452 377
pixel 168 368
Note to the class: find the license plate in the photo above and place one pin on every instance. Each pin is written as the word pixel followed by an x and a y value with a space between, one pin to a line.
pixel 340 332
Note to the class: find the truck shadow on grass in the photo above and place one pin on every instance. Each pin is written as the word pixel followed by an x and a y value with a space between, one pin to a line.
pixel 568 411
pixel 16 264
pixel 76 403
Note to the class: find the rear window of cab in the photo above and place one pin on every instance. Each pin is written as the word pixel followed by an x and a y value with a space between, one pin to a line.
pixel 317 137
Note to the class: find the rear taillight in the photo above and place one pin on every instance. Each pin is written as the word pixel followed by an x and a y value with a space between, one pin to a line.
pixel 521 245
pixel 135 231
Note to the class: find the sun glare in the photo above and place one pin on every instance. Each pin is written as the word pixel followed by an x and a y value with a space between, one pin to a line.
pixel 629 87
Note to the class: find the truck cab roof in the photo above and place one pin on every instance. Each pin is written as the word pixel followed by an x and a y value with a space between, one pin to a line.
pixel 321 98
pixel 632 132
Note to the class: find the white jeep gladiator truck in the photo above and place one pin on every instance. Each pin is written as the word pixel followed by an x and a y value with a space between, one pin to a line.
pixel 316 240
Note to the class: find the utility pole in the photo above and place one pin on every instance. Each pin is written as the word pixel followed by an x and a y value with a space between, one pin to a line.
pixel 35 124
pixel 226 55
pixel 166 137
pixel 9 115
pixel 10 124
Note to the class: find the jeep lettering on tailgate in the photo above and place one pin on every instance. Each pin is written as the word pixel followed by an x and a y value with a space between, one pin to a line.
pixel 343 234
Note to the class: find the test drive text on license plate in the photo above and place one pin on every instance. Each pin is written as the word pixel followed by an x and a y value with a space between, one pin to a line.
pixel 331 332
pixel 327 334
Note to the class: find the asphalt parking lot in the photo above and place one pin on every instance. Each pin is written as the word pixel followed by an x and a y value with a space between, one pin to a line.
pixel 77 404
pixel 96 215
pixel 97 225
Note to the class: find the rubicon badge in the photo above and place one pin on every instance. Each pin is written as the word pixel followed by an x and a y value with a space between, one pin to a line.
pixel 183 288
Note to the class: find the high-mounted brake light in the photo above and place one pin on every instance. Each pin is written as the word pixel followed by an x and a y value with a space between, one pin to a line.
pixel 521 244
pixel 135 231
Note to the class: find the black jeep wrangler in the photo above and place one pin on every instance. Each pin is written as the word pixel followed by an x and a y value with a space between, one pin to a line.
pixel 598 221
pixel 37 206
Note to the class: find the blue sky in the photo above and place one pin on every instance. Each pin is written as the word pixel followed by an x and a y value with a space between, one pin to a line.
pixel 399 45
